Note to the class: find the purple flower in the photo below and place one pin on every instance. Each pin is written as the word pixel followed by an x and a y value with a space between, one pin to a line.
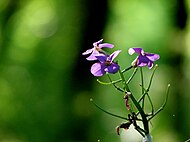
pixel 96 50
pixel 144 58
pixel 105 64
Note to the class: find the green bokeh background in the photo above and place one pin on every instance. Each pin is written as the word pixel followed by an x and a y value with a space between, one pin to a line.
pixel 46 85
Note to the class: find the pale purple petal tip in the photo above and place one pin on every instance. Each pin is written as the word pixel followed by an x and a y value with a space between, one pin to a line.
pixel 152 57
pixel 93 55
pixel 97 43
pixel 96 69
pixel 114 54
pixel 91 58
pixel 87 51
pixel 108 45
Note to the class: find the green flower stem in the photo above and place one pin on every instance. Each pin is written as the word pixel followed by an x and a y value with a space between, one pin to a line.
pixel 118 88
pixel 127 69
pixel 119 80
pixel 141 111
pixel 152 106
pixel 151 78
pixel 109 83
pixel 137 105
pixel 147 90
pixel 118 116
pixel 164 104
pixel 140 131
pixel 142 83
pixel 146 93
pixel 131 77
pixel 125 86
pixel 150 82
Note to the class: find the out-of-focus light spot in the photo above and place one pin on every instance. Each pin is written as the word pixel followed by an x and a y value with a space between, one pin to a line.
pixel 41 18
pixel 35 21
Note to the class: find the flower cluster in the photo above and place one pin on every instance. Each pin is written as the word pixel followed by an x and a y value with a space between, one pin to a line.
pixel 106 62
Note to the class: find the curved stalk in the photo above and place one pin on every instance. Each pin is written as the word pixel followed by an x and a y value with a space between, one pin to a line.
pixel 137 105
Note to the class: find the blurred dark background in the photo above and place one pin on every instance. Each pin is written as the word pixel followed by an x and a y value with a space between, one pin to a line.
pixel 46 84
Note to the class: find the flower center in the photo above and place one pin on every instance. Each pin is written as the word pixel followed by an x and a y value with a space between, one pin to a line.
pixel 98 48
pixel 107 63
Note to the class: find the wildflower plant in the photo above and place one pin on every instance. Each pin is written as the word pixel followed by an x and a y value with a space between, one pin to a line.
pixel 106 64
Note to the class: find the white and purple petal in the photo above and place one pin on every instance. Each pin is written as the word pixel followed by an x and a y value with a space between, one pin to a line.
pixel 113 68
pixel 150 64
pixel 114 55
pixel 88 51
pixel 152 57
pixel 97 69
pixel 135 50
pixel 92 57
pixel 102 58
pixel 97 43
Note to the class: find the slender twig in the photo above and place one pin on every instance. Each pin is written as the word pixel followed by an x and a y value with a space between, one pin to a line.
pixel 114 115
pixel 127 69
pixel 151 78
pixel 152 106
pixel 142 84
pixel 146 93
pixel 131 77
pixel 150 82
pixel 137 105
pixel 164 104
pixel 117 87
pixel 109 83
pixel 139 130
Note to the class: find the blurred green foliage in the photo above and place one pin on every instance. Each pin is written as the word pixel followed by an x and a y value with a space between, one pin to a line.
pixel 40 45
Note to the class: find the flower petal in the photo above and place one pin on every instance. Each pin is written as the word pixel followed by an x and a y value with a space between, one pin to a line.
pixel 97 43
pixel 102 58
pixel 114 55
pixel 152 57
pixel 88 51
pixel 108 45
pixel 113 68
pixel 142 61
pixel 135 50
pixel 93 55
pixel 97 69
pixel 141 64
pixel 150 64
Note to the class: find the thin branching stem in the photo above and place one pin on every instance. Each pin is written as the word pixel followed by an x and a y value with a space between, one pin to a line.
pixel 151 78
pixel 114 115
pixel 164 104
pixel 117 87
pixel 109 83
pixel 137 105
pixel 142 84
pixel 142 98
pixel 131 77
pixel 127 69
pixel 139 130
